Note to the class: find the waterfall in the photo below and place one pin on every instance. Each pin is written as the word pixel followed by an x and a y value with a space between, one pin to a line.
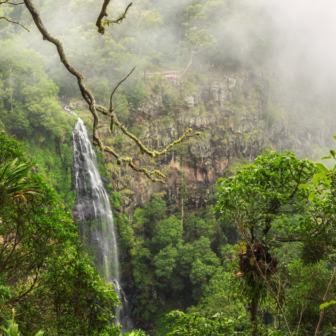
pixel 92 210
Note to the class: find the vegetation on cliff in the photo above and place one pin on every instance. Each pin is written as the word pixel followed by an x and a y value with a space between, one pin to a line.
pixel 252 255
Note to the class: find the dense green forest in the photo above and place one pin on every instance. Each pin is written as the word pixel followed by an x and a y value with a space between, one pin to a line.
pixel 239 238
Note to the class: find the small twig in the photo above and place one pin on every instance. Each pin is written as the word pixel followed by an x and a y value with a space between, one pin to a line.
pixel 115 89
pixel 16 22
pixel 5 28
pixel 302 311
pixel 10 3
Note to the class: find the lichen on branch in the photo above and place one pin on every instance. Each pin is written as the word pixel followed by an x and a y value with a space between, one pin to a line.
pixel 90 99
pixel 102 20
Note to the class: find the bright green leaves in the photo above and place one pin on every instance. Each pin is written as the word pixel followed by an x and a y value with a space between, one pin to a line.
pixel 29 94
pixel 43 258
pixel 308 286
pixel 135 333
pixel 305 186
pixel 15 182
pixel 197 325
pixel 169 231
pixel 267 190
pixel 322 168
pixel 327 304
pixel 316 180
pixel 311 196
pixel 165 261
pixel 13 329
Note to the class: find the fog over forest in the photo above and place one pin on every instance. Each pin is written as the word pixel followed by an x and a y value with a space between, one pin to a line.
pixel 167 168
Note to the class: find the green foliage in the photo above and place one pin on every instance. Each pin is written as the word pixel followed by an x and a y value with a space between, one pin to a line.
pixel 196 325
pixel 54 164
pixel 29 99
pixel 303 296
pixel 220 296
pixel 13 329
pixel 135 333
pixel 45 274
pixel 15 182
pixel 169 231
pixel 79 300
pixel 165 259
pixel 145 219
pixel 261 193
pixel 136 94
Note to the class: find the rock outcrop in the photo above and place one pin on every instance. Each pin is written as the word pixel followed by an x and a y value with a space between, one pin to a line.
pixel 231 111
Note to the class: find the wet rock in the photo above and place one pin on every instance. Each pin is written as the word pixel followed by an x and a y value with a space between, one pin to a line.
pixel 190 101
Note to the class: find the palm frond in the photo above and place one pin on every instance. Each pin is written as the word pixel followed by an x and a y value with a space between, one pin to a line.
pixel 15 181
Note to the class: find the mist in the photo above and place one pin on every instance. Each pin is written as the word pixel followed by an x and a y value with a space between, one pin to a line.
pixel 303 39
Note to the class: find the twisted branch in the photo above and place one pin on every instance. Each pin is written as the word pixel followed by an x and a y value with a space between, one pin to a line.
pixel 89 98
pixel 102 20
pixel 10 3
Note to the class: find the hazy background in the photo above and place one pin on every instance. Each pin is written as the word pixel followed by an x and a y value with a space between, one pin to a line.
pixel 303 38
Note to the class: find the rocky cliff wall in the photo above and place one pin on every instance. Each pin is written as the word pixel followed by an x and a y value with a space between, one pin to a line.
pixel 239 115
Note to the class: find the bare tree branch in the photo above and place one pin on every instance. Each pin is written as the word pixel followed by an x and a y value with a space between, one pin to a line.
pixel 288 239
pixel 94 109
pixel 302 311
pixel 11 3
pixel 102 20
pixel 115 89
pixel 15 22
pixel 5 28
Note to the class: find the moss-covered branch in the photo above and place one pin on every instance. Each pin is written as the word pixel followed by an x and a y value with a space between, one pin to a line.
pixel 11 3
pixel 11 21
pixel 102 20
pixel 89 98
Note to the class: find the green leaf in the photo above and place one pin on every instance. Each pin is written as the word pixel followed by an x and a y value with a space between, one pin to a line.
pixel 332 152
pixel 327 183
pixel 14 329
pixel 6 332
pixel 326 157
pixel 316 179
pixel 324 305
pixel 40 333
pixel 311 196
pixel 305 186
pixel 322 168
pixel 334 137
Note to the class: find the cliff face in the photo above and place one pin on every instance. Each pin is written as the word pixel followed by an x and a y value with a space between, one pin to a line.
pixel 239 115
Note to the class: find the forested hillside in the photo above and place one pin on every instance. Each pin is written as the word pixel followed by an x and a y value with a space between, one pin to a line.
pixel 237 237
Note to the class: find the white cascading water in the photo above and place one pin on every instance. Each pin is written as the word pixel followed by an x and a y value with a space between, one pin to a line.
pixel 93 210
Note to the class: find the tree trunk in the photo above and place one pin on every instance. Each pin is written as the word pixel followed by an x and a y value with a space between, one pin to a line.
pixel 182 210
pixel 254 315
pixel 10 86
